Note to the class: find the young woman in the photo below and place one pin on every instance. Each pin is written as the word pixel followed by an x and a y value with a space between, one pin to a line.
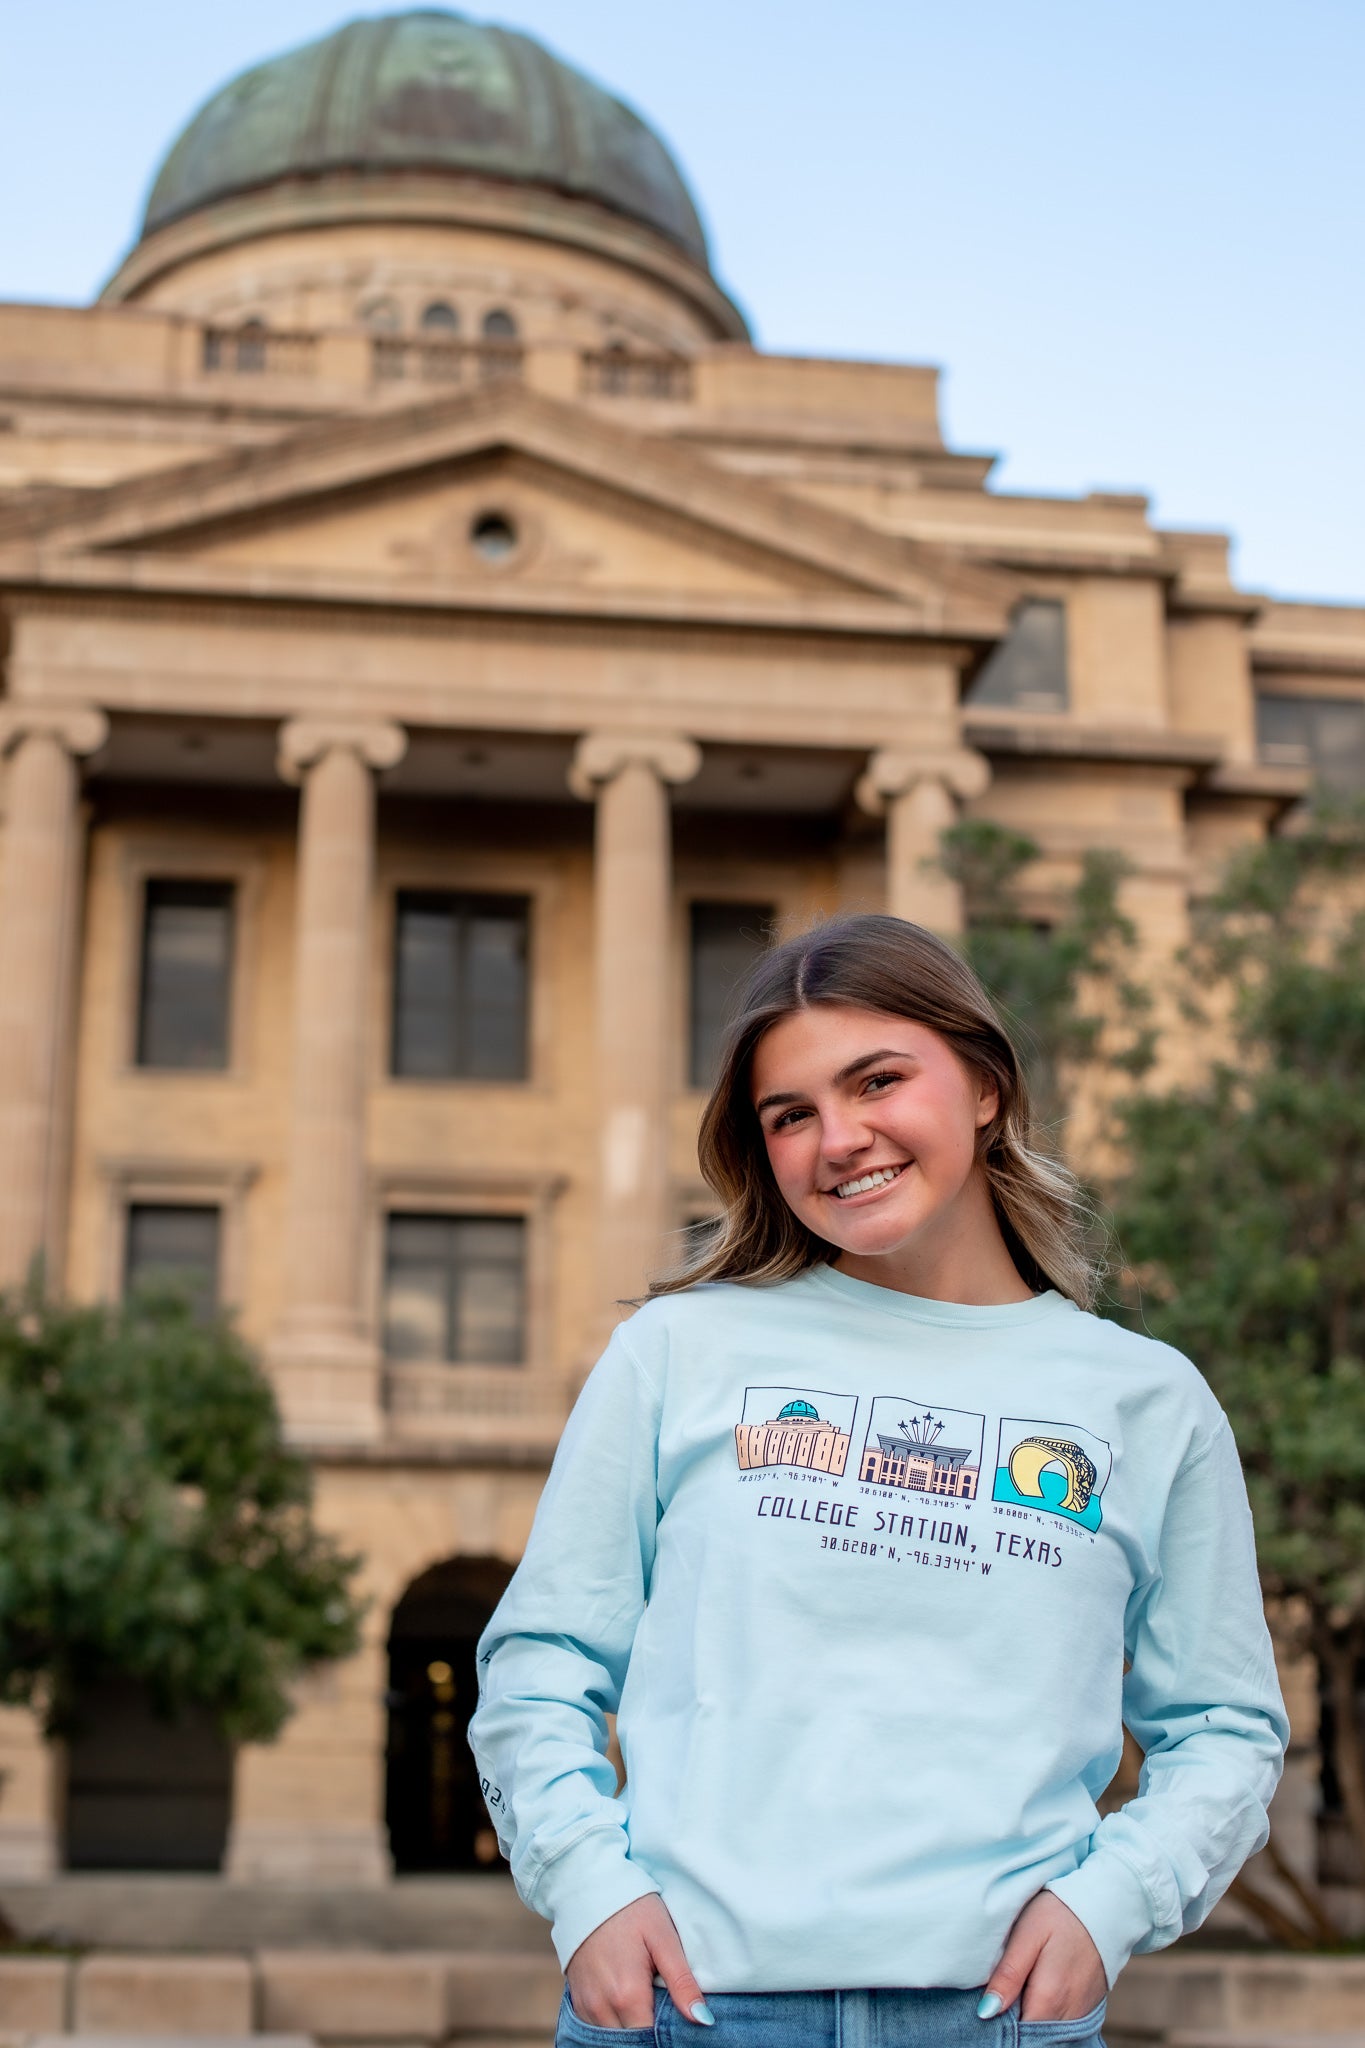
pixel 873 1536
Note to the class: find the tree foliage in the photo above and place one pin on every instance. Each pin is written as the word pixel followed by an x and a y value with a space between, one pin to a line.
pixel 1242 1225
pixel 1068 986
pixel 152 1524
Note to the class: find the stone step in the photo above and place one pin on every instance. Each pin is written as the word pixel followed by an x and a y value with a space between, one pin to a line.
pixel 344 1998
pixel 203 1913
pixel 1250 2037
pixel 148 2040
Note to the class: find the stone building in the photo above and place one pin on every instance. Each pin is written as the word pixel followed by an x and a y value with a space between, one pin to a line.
pixel 436 645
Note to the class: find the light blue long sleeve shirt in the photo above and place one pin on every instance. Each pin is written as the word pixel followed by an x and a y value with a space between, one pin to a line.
pixel 871 1583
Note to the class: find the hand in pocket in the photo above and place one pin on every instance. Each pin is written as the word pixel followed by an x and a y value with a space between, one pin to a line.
pixel 611 1974
pixel 1050 1960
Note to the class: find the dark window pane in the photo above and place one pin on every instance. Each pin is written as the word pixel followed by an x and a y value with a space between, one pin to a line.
pixel 440 317
pixel 1028 669
pixel 425 988
pixel 186 975
pixel 454 1289
pixel 726 940
pixel 1326 734
pixel 176 1246
pixel 460 986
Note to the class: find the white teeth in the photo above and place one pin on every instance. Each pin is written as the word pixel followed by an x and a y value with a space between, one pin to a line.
pixel 878 1179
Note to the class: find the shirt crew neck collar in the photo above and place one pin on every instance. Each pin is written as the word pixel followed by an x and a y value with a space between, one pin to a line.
pixel 953 1315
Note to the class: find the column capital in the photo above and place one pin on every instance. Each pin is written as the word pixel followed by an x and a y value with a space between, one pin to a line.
pixel 302 742
pixel 892 773
pixel 600 756
pixel 81 728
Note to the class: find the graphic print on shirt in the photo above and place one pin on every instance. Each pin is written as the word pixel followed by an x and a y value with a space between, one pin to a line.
pixel 1055 1467
pixel 923 1448
pixel 795 1426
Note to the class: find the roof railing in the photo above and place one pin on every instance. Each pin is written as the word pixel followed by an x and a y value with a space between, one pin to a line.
pixel 402 357
pixel 255 350
pixel 621 373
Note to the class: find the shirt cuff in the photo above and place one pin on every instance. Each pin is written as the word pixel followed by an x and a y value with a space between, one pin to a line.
pixel 586 1885
pixel 1112 1904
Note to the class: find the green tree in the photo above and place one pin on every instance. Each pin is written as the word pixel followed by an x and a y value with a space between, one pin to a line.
pixel 1241 1219
pixel 152 1524
pixel 1066 983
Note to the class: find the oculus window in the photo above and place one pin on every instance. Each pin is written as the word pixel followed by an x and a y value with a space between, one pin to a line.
pixel 1027 671
pixel 725 941
pixel 174 1245
pixel 185 983
pixel 460 986
pixel 454 1289
pixel 1326 734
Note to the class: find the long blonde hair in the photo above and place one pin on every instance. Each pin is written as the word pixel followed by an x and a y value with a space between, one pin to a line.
pixel 878 963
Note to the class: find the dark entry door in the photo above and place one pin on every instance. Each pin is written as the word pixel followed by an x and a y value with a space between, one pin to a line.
pixel 437 1818
pixel 142 1792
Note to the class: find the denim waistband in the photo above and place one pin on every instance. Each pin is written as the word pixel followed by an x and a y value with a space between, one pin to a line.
pixel 835 2019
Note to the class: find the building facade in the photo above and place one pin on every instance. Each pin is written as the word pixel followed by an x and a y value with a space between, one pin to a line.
pixel 437 647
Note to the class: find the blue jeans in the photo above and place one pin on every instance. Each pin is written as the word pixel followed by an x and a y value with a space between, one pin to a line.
pixel 833 2019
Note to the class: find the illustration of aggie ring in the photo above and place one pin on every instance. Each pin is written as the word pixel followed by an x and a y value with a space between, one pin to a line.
pixel 1056 1468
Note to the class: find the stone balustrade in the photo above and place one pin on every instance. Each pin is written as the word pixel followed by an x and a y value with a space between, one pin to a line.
pixel 413 358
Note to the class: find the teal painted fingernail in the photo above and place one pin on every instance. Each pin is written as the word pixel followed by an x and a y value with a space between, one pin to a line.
pixel 702 2013
pixel 991 2004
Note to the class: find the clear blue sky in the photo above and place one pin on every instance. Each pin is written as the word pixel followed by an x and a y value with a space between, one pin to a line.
pixel 1132 232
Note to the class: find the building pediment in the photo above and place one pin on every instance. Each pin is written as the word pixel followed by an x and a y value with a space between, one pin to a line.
pixel 502 493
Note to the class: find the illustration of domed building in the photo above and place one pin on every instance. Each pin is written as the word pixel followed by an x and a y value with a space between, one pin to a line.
pixel 796 1435
pixel 437 646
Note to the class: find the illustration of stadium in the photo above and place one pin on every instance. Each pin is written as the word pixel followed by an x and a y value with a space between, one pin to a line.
pixel 923 1449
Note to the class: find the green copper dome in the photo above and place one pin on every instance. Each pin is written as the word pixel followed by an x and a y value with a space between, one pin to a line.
pixel 798 1411
pixel 427 91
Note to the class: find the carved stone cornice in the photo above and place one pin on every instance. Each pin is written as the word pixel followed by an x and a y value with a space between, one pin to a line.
pixel 890 773
pixel 81 728
pixel 600 756
pixel 378 742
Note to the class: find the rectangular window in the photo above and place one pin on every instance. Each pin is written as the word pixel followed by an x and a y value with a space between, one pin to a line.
pixel 186 979
pixel 1326 734
pixel 454 1288
pixel 176 1246
pixel 1027 671
pixel 726 939
pixel 460 986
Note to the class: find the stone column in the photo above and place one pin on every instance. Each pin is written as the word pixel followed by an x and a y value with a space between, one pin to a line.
pixel 323 1354
pixel 919 796
pixel 629 774
pixel 38 906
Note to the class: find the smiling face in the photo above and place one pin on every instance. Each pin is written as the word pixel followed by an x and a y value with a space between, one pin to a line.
pixel 871 1124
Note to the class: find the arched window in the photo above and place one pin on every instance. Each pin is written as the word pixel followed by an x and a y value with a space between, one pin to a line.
pixel 251 345
pixel 499 325
pixel 614 370
pixel 382 315
pixel 440 318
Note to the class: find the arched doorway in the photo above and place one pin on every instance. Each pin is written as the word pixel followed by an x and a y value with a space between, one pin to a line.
pixel 144 1792
pixel 436 1816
